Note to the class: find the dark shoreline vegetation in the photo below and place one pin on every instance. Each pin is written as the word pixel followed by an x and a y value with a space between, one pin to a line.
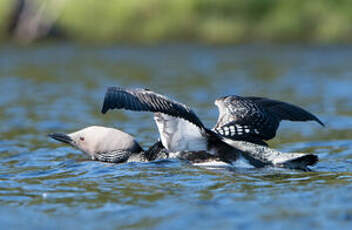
pixel 214 22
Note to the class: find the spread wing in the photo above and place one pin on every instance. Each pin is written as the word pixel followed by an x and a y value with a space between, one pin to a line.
pixel 255 119
pixel 241 119
pixel 149 101
pixel 285 111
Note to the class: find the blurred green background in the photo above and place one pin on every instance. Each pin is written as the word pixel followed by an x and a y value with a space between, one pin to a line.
pixel 153 21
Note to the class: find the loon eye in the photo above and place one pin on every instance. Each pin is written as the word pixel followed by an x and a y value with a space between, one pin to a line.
pixel 81 138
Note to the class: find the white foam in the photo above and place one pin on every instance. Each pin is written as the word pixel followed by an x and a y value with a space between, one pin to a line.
pixel 212 164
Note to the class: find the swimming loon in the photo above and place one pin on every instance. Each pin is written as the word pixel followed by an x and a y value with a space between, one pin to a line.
pixel 115 146
pixel 181 130
pixel 255 119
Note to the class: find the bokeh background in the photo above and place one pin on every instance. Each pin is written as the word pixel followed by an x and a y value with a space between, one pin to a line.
pixel 152 21
pixel 57 57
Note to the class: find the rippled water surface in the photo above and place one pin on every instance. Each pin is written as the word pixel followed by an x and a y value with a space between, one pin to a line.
pixel 60 88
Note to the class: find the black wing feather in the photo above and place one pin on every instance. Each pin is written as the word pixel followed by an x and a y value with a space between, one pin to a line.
pixel 149 101
pixel 286 111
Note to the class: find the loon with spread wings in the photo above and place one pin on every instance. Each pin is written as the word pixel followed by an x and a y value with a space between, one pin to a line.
pixel 181 130
pixel 255 119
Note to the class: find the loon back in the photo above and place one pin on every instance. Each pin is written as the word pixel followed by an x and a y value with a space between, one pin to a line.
pixel 255 119
pixel 261 156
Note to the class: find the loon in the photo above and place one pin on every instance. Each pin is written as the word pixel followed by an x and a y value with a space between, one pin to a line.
pixel 255 119
pixel 182 131
pixel 115 146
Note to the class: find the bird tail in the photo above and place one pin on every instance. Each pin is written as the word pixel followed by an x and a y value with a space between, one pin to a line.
pixel 261 156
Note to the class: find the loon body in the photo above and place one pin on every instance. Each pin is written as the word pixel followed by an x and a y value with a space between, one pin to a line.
pixel 255 119
pixel 182 131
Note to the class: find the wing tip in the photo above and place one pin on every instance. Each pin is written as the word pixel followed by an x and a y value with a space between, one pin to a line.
pixel 104 109
pixel 319 121
pixel 106 103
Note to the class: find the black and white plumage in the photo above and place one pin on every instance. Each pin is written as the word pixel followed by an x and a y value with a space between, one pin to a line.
pixel 182 131
pixel 255 119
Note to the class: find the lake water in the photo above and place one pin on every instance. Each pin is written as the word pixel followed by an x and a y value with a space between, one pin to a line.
pixel 60 88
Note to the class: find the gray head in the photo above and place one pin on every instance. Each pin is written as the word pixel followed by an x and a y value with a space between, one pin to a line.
pixel 95 140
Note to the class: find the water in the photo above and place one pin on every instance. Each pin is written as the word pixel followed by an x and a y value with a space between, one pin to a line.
pixel 60 88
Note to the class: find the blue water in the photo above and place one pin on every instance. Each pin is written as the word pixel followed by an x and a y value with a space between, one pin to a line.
pixel 60 88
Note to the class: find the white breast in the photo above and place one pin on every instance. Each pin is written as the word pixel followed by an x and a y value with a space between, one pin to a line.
pixel 178 134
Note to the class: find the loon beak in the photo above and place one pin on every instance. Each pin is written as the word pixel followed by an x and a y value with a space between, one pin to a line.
pixel 61 137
